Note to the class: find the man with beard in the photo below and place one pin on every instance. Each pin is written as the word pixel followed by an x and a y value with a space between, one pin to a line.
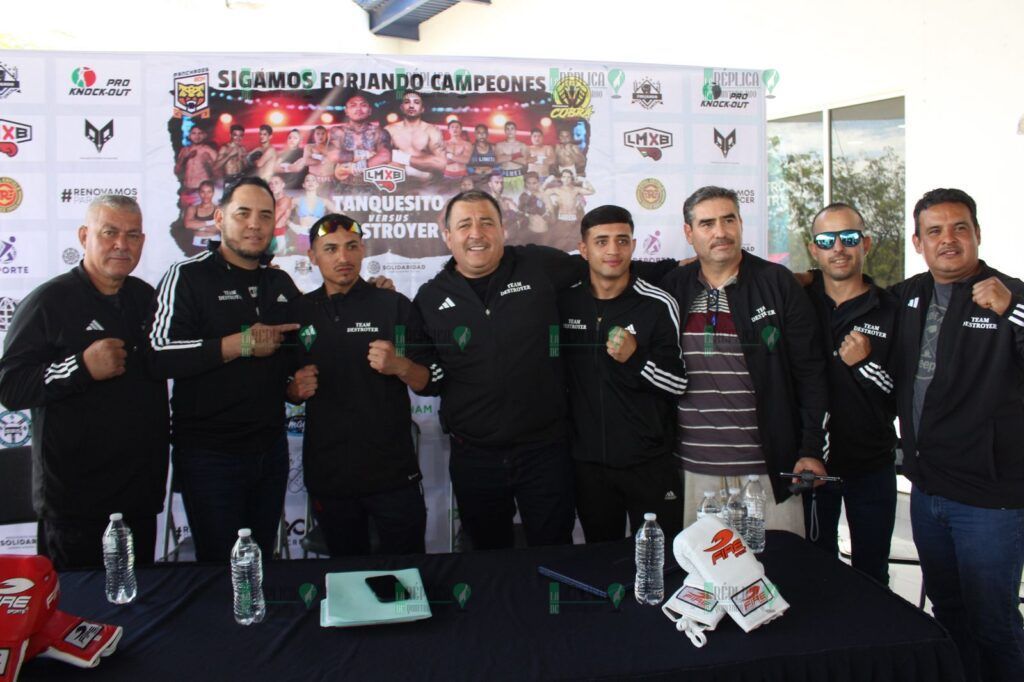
pixel 362 143
pixel 417 145
pixel 756 402
pixel 220 318
pixel 857 321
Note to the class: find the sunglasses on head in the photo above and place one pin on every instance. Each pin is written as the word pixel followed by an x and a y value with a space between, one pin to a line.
pixel 849 238
pixel 331 223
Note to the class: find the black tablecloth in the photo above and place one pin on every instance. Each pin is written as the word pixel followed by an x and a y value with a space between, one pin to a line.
pixel 840 626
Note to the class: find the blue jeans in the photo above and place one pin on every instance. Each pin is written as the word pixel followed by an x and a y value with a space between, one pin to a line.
pixel 223 492
pixel 972 559
pixel 870 513
pixel 490 483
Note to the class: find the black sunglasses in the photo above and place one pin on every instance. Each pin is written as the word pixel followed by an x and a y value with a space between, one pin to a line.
pixel 849 238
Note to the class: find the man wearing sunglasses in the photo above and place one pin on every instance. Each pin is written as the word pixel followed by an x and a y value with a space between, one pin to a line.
pixel 857 321
pixel 358 458
pixel 960 398
pixel 756 401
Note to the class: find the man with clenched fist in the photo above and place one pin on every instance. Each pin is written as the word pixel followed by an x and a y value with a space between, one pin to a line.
pixel 358 456
pixel 220 320
pixel 73 354
pixel 960 398
pixel 857 320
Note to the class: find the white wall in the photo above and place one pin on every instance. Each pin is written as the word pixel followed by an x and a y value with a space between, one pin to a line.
pixel 959 64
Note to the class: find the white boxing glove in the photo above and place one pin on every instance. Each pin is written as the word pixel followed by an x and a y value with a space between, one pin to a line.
pixel 694 609
pixel 723 559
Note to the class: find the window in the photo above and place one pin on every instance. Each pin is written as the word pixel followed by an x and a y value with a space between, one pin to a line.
pixel 860 162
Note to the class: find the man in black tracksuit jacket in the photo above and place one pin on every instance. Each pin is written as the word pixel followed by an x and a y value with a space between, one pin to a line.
pixel 358 455
pixel 619 338
pixel 74 355
pixel 776 332
pixel 960 387
pixel 491 319
pixel 220 318
pixel 858 322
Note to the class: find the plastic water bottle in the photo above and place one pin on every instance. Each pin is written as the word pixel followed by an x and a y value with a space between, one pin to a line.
pixel 247 579
pixel 119 560
pixel 649 586
pixel 734 513
pixel 711 505
pixel 754 499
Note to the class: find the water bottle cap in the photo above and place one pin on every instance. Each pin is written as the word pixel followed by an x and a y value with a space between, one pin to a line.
pixel 244 532
pixel 753 477
pixel 650 516
pixel 709 493
pixel 733 491
pixel 116 516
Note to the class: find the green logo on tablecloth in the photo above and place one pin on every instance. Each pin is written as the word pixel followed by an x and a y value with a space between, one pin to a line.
pixel 462 593
pixel 616 592
pixel 307 592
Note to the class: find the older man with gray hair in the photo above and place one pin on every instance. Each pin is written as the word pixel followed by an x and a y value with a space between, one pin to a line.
pixel 73 355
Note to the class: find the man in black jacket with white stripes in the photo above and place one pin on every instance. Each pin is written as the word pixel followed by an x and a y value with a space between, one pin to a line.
pixel 858 321
pixel 220 319
pixel 619 338
pixel 960 398
pixel 74 354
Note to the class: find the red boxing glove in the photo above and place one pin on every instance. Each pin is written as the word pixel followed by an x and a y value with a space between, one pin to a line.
pixel 31 625
pixel 28 597
pixel 74 640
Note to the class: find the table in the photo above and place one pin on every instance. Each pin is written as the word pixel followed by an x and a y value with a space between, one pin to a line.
pixel 840 626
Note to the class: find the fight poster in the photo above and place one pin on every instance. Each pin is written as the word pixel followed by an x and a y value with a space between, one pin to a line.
pixel 384 140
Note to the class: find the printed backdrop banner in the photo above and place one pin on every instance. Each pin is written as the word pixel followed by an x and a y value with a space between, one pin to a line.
pixel 385 140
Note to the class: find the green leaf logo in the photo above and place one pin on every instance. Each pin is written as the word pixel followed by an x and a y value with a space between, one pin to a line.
pixel 307 593
pixel 770 336
pixel 462 593
pixel 462 335
pixel 307 335
pixel 616 592
pixel 771 79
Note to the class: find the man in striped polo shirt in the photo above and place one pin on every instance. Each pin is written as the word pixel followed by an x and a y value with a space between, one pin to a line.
pixel 756 402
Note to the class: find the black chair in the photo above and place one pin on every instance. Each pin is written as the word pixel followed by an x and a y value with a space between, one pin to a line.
pixel 16 486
